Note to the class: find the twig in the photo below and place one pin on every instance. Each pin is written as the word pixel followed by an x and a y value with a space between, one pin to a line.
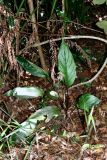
pixel 65 38
pixel 60 21
pixel 17 35
pixel 35 30
pixel 10 117
pixel 93 78
pixel 75 23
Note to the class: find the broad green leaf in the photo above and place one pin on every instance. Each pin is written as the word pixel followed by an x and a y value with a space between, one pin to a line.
pixel 25 92
pixel 87 101
pixel 28 127
pixel 103 25
pixel 32 68
pixel 50 111
pixel 66 64
pixel 99 2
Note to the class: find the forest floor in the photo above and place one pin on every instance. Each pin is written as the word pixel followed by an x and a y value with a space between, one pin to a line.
pixel 63 138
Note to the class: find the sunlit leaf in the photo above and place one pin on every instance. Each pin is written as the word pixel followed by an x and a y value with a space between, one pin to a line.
pixel 87 101
pixel 66 64
pixel 25 92
pixel 99 2
pixel 103 25
pixel 32 68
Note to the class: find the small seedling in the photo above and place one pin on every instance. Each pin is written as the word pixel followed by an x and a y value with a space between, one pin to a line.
pixel 87 102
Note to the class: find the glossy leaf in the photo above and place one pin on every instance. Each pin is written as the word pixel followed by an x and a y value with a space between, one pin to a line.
pixel 25 92
pixel 32 68
pixel 66 64
pixel 87 101
pixel 27 127
pixel 103 25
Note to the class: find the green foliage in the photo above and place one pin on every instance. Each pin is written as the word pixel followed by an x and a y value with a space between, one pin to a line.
pixel 13 132
pixel 66 67
pixel 53 6
pixel 10 21
pixel 45 113
pixel 66 64
pixel 87 101
pixel 26 128
pixel 99 2
pixel 32 68
pixel 19 7
pixel 76 9
pixel 103 25
pixel 67 71
pixel 25 92
pixel 1 1
pixel 1 82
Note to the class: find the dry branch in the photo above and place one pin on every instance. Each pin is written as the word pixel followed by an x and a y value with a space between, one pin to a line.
pixel 35 30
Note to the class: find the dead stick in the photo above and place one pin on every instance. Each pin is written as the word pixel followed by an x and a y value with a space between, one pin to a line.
pixel 66 38
pixel 93 78
pixel 35 30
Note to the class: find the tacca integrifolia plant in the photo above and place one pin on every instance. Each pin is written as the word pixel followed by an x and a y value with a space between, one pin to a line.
pixel 67 70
